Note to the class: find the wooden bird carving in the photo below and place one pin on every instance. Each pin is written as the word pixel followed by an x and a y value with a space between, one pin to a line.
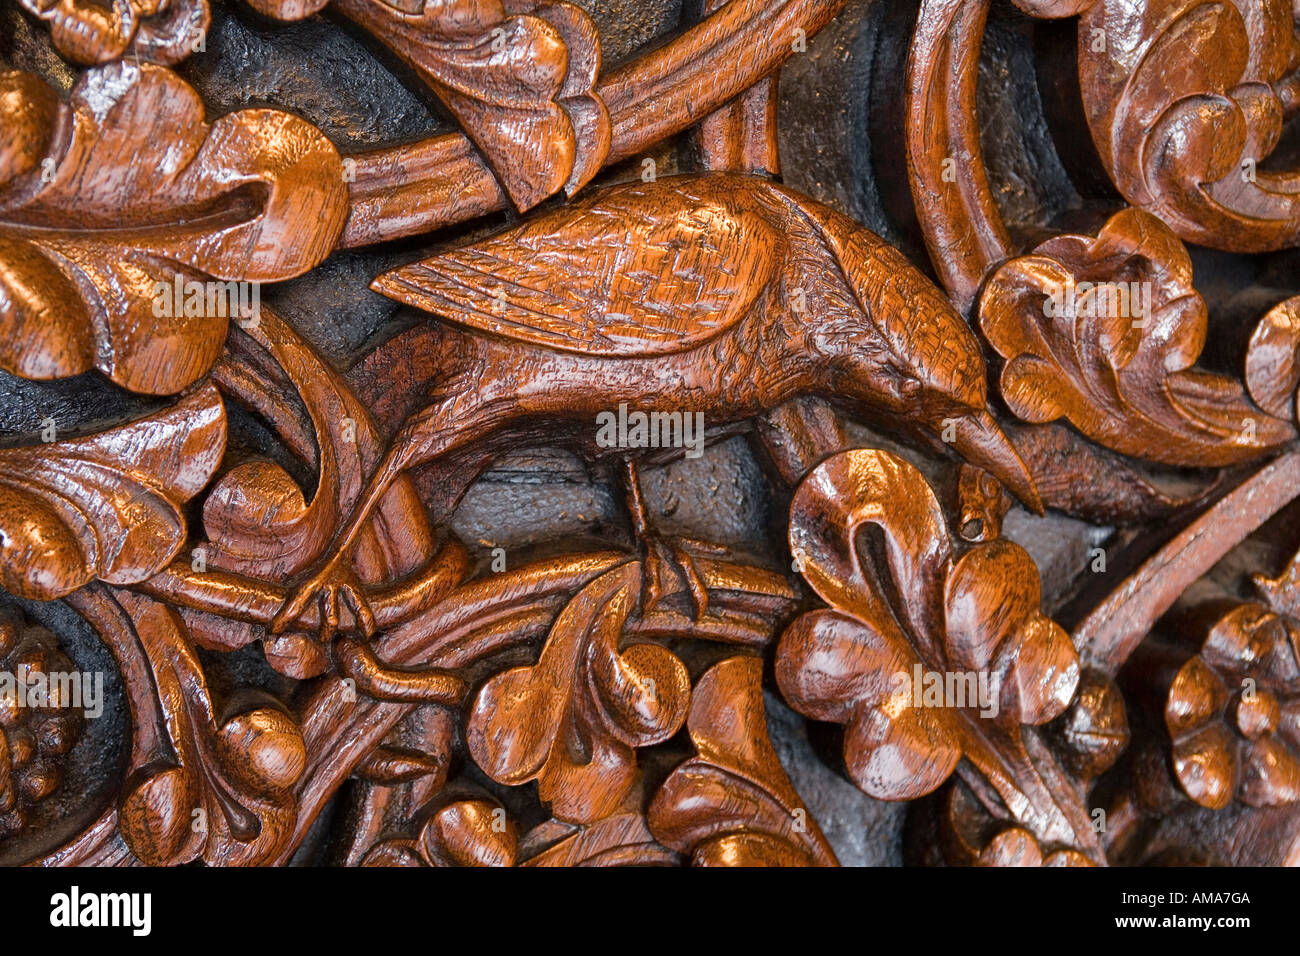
pixel 722 294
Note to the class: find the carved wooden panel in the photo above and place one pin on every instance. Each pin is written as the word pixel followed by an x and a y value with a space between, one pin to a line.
pixel 564 433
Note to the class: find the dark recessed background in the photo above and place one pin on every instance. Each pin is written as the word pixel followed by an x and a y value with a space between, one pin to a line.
pixel 841 139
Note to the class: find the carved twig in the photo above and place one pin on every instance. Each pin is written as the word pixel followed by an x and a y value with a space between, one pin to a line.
pixel 1109 634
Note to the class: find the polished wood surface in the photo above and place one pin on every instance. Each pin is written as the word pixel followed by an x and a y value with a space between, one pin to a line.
pixel 401 694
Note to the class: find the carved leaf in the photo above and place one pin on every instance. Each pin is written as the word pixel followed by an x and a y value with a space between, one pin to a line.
pixel 127 187
pixel 1182 142
pixel 947 661
pixel 733 805
pixel 1273 360
pixel 109 505
pixel 573 720
pixel 840 665
pixel 994 626
pixel 161 31
pixel 238 771
pixel 519 75
pixel 1081 342
pixel 418 187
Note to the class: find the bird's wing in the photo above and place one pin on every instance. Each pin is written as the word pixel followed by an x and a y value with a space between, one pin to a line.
pixel 636 270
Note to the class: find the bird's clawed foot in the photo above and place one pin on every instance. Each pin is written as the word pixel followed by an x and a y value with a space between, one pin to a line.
pixel 336 581
pixel 669 564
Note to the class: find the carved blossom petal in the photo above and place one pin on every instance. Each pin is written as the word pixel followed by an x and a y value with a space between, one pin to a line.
pixel 1250 638
pixel 1196 698
pixel 832 667
pixel 901 754
pixel 72 511
pixel 994 623
pixel 1206 764
pixel 1270 774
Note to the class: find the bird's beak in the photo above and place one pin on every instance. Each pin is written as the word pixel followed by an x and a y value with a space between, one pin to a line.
pixel 981 442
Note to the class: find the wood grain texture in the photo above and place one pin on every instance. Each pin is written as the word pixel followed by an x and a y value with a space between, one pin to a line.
pixel 107 506
pixel 732 804
pixel 724 272
pixel 90 33
pixel 321 656
pixel 438 182
pixel 125 189
pixel 518 76
pixel 1186 146
pixel 1114 628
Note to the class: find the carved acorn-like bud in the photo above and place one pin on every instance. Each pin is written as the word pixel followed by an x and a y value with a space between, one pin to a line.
pixel 35 732
pixel 263 749
pixel 469 833
pixel 1094 731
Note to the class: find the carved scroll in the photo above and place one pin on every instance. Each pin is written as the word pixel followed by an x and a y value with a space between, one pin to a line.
pixel 325 651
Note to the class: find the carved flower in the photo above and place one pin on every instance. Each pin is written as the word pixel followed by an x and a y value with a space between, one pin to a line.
pixel 1233 713
pixel 107 506
pixel 32 739
pixel 972 624
pixel 215 783
pixel 125 191
pixel 1104 332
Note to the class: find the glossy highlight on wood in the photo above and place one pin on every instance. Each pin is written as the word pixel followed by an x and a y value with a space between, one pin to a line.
pixel 1002 535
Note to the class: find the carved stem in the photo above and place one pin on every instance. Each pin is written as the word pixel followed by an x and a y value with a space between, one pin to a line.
pixel 437 182
pixel 1114 629
pixel 1035 790
pixel 945 163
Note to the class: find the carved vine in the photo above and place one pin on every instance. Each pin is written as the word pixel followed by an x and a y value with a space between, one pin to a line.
pixel 616 693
